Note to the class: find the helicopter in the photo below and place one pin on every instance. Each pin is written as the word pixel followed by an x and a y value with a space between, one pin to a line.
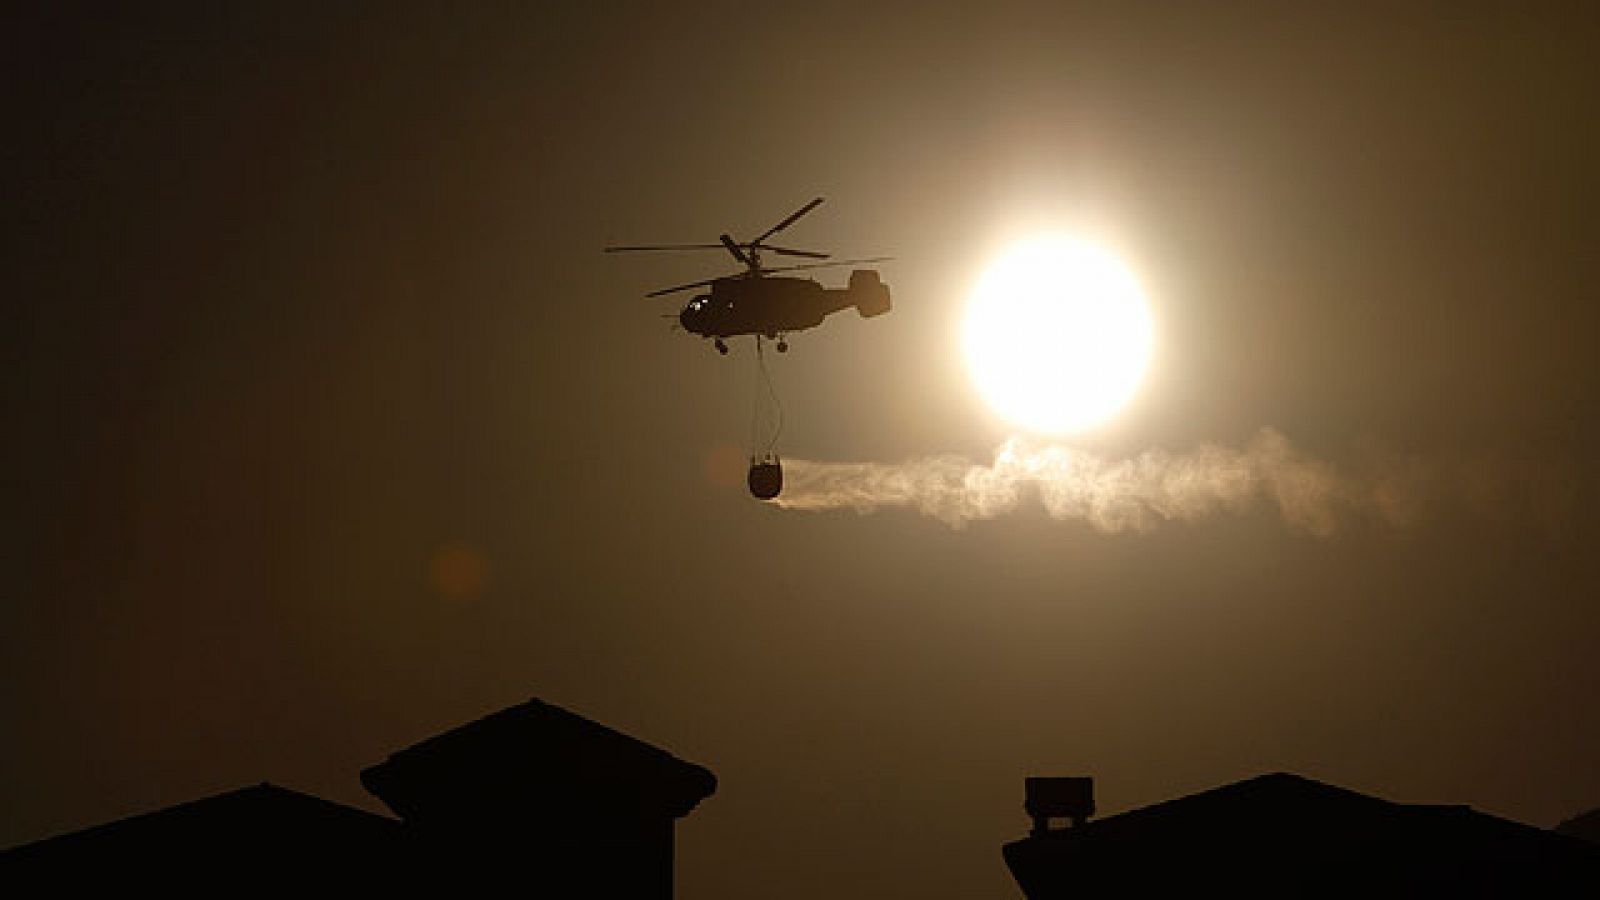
pixel 754 302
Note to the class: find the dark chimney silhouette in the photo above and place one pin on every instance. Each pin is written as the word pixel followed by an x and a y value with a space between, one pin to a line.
pixel 1070 798
pixel 535 789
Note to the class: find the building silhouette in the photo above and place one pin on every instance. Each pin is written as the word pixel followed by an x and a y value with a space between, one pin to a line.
pixel 1585 826
pixel 538 789
pixel 542 802
pixel 259 835
pixel 1283 835
pixel 532 796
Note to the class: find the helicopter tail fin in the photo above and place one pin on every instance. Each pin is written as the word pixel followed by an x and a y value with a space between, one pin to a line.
pixel 871 295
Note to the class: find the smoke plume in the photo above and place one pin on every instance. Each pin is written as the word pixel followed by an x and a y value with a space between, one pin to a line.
pixel 1112 495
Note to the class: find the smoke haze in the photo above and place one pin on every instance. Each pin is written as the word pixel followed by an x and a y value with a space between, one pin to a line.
pixel 1112 495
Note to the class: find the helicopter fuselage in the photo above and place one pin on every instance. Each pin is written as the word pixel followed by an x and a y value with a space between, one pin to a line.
pixel 773 306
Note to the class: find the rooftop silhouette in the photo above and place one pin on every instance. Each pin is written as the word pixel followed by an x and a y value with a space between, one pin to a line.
pixel 546 801
pixel 1286 835
pixel 259 825
pixel 534 793
pixel 534 757
pixel 1585 826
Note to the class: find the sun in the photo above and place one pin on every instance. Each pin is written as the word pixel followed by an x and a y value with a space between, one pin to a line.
pixel 1057 334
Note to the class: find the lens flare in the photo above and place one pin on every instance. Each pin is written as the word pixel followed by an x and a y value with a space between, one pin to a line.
pixel 1057 335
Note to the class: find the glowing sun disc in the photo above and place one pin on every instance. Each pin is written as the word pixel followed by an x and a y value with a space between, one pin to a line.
pixel 1057 335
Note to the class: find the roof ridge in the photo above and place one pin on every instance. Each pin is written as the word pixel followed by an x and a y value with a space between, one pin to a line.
pixel 1240 786
pixel 513 713
pixel 263 789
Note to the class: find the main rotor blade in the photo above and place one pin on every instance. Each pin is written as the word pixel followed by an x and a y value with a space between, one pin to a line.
pixel 736 250
pixel 829 265
pixel 789 221
pixel 631 248
pixel 683 287
pixel 785 251
pixel 782 251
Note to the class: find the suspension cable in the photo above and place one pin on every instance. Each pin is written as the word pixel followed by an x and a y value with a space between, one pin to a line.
pixel 764 388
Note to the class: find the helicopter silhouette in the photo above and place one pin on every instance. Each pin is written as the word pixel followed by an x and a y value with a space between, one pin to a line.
pixel 753 302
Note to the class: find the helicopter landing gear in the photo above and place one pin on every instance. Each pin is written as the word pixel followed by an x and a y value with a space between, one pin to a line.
pixel 721 347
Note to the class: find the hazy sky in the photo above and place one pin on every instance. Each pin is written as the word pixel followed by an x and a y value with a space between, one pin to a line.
pixel 294 300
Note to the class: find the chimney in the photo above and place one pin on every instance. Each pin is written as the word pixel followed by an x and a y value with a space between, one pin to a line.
pixel 1069 798
pixel 1043 863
